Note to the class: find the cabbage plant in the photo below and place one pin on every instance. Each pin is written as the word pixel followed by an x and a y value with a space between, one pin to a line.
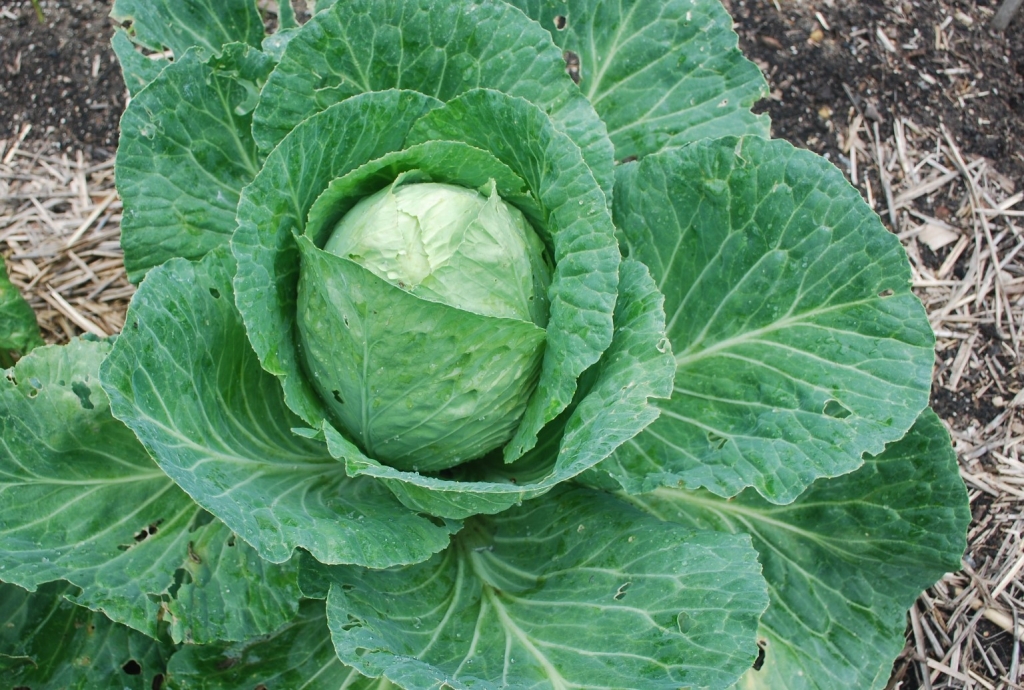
pixel 477 344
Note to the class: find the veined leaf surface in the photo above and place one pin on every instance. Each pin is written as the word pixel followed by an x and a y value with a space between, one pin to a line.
pixel 574 591
pixel 82 501
pixel 799 345
pixel 186 151
pixel 182 24
pixel 441 48
pixel 660 74
pixel 845 560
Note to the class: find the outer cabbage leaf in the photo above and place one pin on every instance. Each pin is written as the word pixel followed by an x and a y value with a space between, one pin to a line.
pixel 574 591
pixel 298 655
pixel 183 378
pixel 845 560
pixel 611 407
pixel 437 47
pixel 182 24
pixel 19 332
pixel 81 500
pixel 51 644
pixel 660 74
pixel 799 345
pixel 185 153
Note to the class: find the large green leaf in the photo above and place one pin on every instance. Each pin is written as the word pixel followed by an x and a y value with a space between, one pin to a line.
pixel 437 47
pixel 182 24
pixel 574 591
pixel 185 153
pixel 583 287
pixel 81 500
pixel 660 74
pixel 799 345
pixel 48 643
pixel 845 560
pixel 275 205
pixel 183 377
pixel 299 655
pixel 19 331
pixel 611 407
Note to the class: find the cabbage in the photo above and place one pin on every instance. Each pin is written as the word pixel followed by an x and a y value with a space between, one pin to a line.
pixel 643 403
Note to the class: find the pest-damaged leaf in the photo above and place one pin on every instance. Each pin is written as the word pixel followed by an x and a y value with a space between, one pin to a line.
pixel 799 345
pixel 660 74
pixel 576 590
pixel 298 655
pixel 845 560
pixel 82 501
pixel 179 25
pixel 184 155
pixel 48 643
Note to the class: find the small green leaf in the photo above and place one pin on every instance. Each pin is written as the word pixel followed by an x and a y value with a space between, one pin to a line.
pixel 573 591
pixel 185 153
pixel 845 560
pixel 48 643
pixel 182 24
pixel 660 74
pixel 799 345
pixel 19 332
pixel 183 378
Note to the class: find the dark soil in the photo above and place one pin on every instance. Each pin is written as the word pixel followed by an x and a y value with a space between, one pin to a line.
pixel 61 77
pixel 971 78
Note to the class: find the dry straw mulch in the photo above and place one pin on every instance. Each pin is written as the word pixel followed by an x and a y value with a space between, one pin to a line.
pixel 959 220
pixel 961 223
pixel 60 222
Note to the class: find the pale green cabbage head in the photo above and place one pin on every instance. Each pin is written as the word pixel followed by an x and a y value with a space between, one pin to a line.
pixel 439 370
pixel 450 245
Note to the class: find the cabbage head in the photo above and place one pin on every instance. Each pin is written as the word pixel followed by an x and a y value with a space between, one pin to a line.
pixel 477 345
